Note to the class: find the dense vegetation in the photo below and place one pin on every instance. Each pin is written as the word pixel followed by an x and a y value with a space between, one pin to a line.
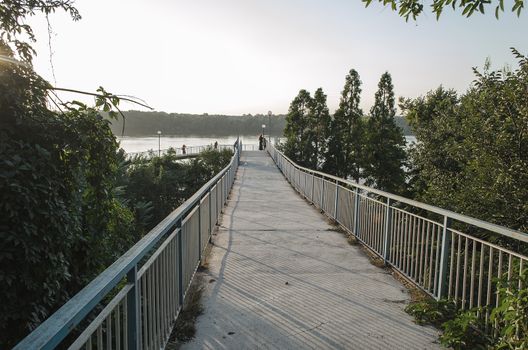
pixel 349 144
pixel 153 187
pixel 472 155
pixel 472 158
pixel 71 204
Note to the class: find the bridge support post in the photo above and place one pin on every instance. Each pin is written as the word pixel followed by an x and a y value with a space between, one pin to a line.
pixel 444 258
pixel 180 262
pixel 133 311
pixel 336 200
pixel 356 212
pixel 387 231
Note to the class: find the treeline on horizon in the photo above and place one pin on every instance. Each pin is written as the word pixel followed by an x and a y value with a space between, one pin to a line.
pixel 141 123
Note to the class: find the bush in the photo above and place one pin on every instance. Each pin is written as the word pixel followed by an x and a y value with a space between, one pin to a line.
pixel 432 312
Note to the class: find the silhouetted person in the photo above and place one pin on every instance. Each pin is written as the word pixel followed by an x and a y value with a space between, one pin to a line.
pixel 264 143
pixel 184 149
pixel 261 142
pixel 216 145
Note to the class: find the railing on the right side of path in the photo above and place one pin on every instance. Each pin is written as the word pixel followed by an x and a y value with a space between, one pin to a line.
pixel 418 240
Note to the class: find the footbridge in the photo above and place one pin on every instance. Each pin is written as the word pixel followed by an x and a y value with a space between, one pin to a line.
pixel 280 272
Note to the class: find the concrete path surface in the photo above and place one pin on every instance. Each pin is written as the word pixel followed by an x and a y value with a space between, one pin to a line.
pixel 279 277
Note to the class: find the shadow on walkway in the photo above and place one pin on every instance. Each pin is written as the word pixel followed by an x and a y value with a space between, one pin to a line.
pixel 280 278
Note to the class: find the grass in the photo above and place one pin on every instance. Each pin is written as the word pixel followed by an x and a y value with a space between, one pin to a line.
pixel 185 328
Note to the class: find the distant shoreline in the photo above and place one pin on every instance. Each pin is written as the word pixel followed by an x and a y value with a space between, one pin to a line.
pixel 147 124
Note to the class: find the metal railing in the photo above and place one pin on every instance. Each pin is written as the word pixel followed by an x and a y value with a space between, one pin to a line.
pixel 418 240
pixel 250 147
pixel 144 290
pixel 190 150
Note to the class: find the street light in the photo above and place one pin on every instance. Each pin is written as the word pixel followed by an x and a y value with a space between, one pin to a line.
pixel 263 127
pixel 159 143
pixel 269 124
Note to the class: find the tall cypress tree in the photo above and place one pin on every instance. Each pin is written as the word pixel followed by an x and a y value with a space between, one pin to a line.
pixel 344 156
pixel 296 131
pixel 384 149
pixel 318 122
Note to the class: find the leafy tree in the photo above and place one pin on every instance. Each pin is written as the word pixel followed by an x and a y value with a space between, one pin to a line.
pixel 14 31
pixel 435 124
pixel 344 155
pixel 58 215
pixel 60 222
pixel 63 217
pixel 472 154
pixel 414 8
pixel 317 130
pixel 384 142
pixel 296 146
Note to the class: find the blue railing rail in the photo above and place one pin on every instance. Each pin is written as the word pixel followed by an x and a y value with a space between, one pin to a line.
pixel 418 240
pixel 143 312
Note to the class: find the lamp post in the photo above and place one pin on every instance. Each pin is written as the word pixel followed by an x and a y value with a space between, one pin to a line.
pixel 159 143
pixel 269 125
pixel 263 138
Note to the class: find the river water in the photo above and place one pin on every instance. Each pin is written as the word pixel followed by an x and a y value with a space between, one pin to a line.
pixel 141 144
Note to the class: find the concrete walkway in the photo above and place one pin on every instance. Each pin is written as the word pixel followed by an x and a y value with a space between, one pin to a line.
pixel 280 278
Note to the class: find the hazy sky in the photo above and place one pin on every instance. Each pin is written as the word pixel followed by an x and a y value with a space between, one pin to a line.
pixel 249 56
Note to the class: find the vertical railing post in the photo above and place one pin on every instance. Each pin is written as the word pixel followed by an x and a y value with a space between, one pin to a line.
pixel 226 183
pixel 133 311
pixel 336 200
pixel 180 262
pixel 322 194
pixel 299 188
pixel 200 229
pixel 356 211
pixel 222 193
pixel 444 258
pixel 210 218
pixel 387 231
pixel 313 186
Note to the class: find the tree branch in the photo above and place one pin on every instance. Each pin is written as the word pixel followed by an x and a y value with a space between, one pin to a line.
pixel 100 95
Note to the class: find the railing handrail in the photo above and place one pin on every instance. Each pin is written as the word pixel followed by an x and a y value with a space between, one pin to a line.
pixel 54 329
pixel 505 231
pixel 178 149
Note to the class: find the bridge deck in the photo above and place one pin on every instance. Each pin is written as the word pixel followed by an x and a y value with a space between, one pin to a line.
pixel 279 277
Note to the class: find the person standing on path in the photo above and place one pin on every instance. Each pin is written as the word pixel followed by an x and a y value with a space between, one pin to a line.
pixel 261 142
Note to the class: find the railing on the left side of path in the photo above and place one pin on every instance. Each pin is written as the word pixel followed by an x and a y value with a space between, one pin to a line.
pixel 423 242
pixel 134 303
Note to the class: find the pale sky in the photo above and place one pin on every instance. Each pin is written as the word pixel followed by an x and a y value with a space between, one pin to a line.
pixel 251 56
